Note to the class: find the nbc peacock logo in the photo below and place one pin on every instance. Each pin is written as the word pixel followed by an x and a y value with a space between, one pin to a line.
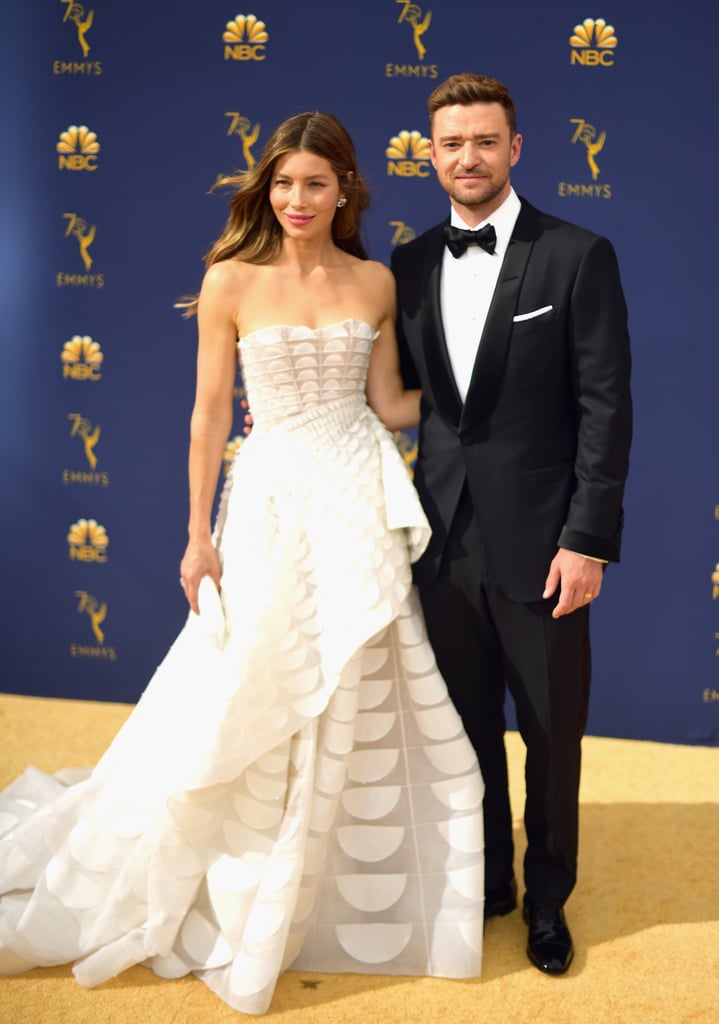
pixel 408 155
pixel 593 43
pixel 77 149
pixel 244 38
pixel 88 541
pixel 82 358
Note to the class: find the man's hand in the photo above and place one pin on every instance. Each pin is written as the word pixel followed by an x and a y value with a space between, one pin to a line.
pixel 579 580
pixel 247 429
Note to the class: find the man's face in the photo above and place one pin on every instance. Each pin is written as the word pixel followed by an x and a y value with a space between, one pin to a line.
pixel 472 153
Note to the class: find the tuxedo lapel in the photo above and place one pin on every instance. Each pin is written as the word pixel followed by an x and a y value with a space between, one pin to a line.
pixel 494 343
pixel 434 342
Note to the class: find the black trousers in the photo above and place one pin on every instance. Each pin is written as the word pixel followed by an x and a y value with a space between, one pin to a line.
pixel 485 643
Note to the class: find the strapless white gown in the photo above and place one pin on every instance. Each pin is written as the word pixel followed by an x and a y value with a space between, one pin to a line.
pixel 303 795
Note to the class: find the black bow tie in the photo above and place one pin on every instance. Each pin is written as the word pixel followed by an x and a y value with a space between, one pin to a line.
pixel 458 239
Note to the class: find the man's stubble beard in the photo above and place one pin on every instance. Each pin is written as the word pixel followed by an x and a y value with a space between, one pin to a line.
pixel 475 198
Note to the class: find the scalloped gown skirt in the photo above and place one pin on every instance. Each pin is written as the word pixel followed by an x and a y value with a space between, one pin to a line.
pixel 302 795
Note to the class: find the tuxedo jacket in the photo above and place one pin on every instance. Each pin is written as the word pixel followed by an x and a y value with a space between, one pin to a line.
pixel 542 438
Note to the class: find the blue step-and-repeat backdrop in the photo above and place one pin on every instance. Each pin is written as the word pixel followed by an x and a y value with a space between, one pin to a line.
pixel 117 120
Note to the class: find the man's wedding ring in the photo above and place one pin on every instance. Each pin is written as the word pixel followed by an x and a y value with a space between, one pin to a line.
pixel 588 597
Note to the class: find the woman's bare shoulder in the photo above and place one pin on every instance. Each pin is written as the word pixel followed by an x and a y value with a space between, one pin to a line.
pixel 224 289
pixel 379 281
pixel 381 270
pixel 228 275
pixel 376 274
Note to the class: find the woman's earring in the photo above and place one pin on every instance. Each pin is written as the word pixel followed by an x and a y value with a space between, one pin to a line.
pixel 342 201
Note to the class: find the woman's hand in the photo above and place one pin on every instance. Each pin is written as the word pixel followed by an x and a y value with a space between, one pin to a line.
pixel 200 559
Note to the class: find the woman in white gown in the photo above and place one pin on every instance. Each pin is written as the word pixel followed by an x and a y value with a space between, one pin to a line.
pixel 294 787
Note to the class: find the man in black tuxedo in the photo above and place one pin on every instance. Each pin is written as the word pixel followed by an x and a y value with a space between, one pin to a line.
pixel 519 342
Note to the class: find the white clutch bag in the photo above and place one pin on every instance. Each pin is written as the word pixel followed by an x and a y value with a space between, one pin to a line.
pixel 212 614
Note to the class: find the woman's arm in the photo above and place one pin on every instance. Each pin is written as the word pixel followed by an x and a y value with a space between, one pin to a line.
pixel 211 421
pixel 397 408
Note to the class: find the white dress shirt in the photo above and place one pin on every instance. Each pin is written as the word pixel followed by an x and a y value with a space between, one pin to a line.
pixel 466 290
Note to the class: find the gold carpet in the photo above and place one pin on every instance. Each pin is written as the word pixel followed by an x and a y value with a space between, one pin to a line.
pixel 644 916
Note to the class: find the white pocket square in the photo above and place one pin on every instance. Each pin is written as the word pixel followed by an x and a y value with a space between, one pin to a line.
pixel 530 316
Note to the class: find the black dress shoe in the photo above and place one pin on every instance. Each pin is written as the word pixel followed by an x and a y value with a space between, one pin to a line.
pixel 549 945
pixel 501 901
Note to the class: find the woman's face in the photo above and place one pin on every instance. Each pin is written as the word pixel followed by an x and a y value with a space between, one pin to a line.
pixel 303 194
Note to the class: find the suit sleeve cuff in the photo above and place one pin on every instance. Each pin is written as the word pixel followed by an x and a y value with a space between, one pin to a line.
pixel 589 546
